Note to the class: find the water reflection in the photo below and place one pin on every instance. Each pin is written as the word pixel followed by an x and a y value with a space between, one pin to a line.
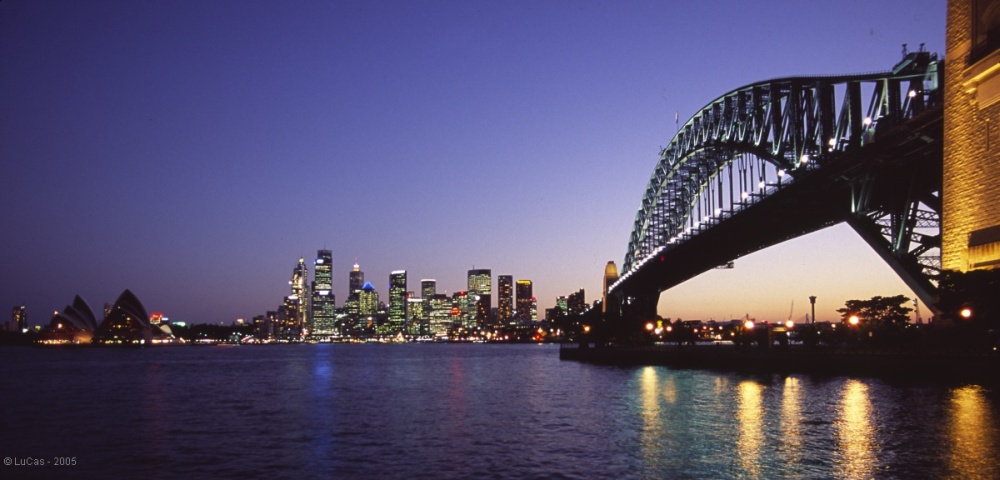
pixel 855 434
pixel 649 386
pixel 972 435
pixel 791 420
pixel 751 420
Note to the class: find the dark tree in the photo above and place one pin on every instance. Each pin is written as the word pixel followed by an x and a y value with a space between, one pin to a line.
pixel 878 312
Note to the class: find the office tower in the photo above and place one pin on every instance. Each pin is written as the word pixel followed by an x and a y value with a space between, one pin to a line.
pixel 367 301
pixel 300 292
pixel 505 299
pixel 524 300
pixel 577 303
pixel 562 302
pixel 428 288
pixel 463 308
pixel 397 301
pixel 480 289
pixel 356 280
pixel 323 300
pixel 19 319
pixel 439 314
pixel 416 319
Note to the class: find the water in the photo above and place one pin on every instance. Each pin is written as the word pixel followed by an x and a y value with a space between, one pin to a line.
pixel 468 411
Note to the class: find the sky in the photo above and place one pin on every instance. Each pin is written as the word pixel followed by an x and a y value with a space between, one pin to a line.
pixel 192 151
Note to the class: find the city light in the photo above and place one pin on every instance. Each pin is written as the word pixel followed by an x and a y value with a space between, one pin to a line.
pixel 749 325
pixel 966 313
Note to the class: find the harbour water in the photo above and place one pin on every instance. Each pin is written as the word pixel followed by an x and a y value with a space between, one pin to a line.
pixel 468 411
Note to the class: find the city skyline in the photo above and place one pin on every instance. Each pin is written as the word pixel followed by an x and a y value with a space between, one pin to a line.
pixel 188 151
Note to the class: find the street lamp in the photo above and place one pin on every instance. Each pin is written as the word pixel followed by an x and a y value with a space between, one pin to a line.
pixel 853 320
pixel 966 313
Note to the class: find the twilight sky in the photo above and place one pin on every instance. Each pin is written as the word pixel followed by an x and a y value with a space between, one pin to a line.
pixel 192 151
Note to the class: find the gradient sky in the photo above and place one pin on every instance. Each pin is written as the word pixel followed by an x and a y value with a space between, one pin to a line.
pixel 192 151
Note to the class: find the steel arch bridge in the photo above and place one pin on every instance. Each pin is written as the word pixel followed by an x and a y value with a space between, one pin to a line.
pixel 778 159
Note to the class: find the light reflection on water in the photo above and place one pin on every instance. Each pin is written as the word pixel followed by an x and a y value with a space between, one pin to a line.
pixel 973 447
pixel 856 445
pixel 751 419
pixel 470 411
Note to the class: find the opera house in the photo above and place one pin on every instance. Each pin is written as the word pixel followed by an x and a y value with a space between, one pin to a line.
pixel 127 323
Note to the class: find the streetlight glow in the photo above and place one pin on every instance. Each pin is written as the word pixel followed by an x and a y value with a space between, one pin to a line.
pixel 966 313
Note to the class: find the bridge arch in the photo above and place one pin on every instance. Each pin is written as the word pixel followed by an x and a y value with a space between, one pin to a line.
pixel 752 143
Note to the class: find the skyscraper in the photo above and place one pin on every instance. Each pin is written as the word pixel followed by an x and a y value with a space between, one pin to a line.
pixel 300 293
pixel 323 300
pixel 356 280
pixel 439 313
pixel 524 302
pixel 480 289
pixel 397 301
pixel 415 317
pixel 367 300
pixel 505 299
pixel 577 303
pixel 428 288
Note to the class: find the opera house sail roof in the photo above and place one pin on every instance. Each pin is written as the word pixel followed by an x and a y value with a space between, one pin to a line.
pixel 126 323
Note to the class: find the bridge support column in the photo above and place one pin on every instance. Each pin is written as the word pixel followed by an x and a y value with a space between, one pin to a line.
pixel 636 310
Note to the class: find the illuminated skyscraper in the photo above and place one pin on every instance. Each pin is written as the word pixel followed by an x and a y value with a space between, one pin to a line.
pixel 356 280
pixel 428 288
pixel 300 292
pixel 505 299
pixel 562 302
pixel 367 301
pixel 323 300
pixel 397 301
pixel 480 290
pixel 415 317
pixel 524 302
pixel 439 313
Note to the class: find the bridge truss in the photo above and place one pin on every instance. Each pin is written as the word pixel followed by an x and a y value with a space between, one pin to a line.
pixel 751 143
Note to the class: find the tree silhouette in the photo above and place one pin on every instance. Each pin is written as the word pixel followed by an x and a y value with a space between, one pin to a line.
pixel 878 312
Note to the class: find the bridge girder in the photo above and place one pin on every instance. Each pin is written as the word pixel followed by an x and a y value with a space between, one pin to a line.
pixel 785 130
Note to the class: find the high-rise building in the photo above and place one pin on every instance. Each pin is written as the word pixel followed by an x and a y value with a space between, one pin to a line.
pixel 367 301
pixel 428 288
pixel 524 301
pixel 970 199
pixel 464 306
pixel 577 303
pixel 481 290
pixel 562 302
pixel 323 310
pixel 355 281
pixel 397 301
pixel 19 319
pixel 416 319
pixel 439 313
pixel 505 299
pixel 300 292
